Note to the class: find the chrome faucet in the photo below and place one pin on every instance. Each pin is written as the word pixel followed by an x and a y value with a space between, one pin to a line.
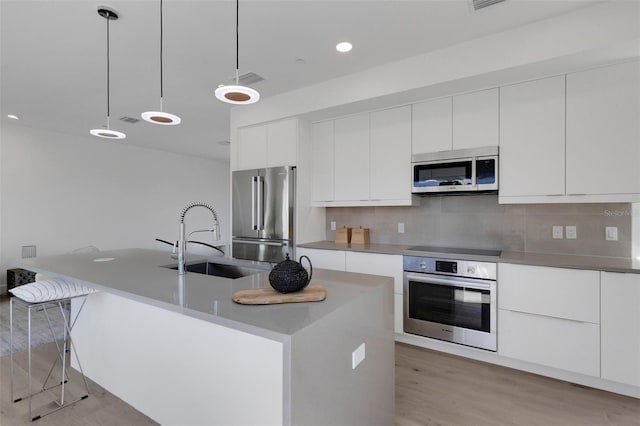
pixel 182 240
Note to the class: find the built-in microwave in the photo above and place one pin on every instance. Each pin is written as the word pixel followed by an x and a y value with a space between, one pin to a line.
pixel 474 169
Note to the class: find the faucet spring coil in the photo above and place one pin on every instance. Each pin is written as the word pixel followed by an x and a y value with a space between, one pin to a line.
pixel 195 204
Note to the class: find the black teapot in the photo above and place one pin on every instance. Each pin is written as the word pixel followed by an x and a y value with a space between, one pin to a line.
pixel 289 276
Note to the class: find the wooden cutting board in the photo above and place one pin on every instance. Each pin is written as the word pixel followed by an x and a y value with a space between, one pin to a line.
pixel 268 296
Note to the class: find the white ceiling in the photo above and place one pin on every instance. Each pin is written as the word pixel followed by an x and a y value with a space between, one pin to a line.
pixel 53 63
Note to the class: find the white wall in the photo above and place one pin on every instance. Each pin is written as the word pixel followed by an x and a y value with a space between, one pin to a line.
pixel 60 193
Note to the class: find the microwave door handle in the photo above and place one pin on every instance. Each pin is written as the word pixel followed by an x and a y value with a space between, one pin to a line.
pixel 474 176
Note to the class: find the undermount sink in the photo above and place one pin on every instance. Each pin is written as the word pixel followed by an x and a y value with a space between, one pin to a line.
pixel 224 270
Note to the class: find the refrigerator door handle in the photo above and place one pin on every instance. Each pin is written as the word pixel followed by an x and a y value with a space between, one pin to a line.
pixel 253 202
pixel 260 208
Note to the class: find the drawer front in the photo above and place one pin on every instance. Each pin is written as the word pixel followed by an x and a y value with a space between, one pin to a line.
pixel 388 265
pixel 323 259
pixel 568 345
pixel 572 294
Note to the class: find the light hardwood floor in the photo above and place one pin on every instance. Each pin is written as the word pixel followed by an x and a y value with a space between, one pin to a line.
pixel 431 389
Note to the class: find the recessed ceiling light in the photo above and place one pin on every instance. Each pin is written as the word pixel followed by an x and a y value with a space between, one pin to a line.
pixel 300 61
pixel 15 117
pixel 344 46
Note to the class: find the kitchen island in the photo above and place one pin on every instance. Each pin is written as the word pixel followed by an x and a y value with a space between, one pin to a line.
pixel 182 352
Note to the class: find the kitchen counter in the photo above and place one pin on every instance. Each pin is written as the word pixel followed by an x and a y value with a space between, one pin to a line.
pixel 151 336
pixel 141 275
pixel 596 263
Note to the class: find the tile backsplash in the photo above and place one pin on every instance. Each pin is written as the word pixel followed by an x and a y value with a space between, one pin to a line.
pixel 478 221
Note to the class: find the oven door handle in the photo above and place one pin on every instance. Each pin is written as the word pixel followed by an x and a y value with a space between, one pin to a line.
pixel 452 282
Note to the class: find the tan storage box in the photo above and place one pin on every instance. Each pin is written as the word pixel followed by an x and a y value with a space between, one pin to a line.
pixel 343 235
pixel 360 236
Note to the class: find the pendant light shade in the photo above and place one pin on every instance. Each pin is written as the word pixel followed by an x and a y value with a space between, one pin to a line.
pixel 108 15
pixel 161 117
pixel 237 94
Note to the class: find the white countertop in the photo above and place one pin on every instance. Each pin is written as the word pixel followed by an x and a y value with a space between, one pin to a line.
pixel 138 274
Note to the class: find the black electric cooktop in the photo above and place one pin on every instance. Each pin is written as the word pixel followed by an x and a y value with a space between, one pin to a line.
pixel 455 250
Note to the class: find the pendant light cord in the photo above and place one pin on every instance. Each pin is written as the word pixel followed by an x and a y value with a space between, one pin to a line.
pixel 108 72
pixel 237 41
pixel 161 71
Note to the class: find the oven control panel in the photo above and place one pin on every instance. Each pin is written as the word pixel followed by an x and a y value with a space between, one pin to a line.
pixel 458 268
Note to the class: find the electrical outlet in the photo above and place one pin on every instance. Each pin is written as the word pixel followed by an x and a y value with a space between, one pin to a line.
pixel 333 225
pixel 556 232
pixel 357 356
pixel 571 232
pixel 401 228
pixel 611 233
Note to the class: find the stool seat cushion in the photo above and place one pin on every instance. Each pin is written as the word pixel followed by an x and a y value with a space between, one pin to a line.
pixel 51 289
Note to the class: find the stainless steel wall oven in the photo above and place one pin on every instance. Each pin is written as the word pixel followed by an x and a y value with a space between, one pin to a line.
pixel 452 300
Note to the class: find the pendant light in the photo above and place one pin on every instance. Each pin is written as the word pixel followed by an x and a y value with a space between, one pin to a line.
pixel 161 117
pixel 108 15
pixel 237 94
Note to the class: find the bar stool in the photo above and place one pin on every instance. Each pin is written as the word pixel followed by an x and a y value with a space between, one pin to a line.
pixel 53 294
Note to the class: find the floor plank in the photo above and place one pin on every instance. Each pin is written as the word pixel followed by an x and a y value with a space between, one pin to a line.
pixel 432 388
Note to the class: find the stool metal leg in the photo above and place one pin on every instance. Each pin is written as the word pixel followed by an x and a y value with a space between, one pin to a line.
pixel 67 344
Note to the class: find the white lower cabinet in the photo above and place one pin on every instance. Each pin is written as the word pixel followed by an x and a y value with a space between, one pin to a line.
pixel 324 259
pixel 550 316
pixel 620 327
pixel 365 263
pixel 554 342
pixel 381 264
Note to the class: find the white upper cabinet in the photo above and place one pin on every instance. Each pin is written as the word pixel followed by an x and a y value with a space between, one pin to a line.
pixel 620 325
pixel 351 156
pixel 267 145
pixel 459 122
pixel 475 119
pixel 390 151
pixel 431 129
pixel 532 126
pixel 282 142
pixel 603 130
pixel 251 147
pixel 322 152
pixel 363 160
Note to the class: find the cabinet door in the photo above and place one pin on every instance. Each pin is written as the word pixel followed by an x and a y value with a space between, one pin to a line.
pixel 390 145
pixel 351 145
pixel 324 259
pixel 251 147
pixel 532 126
pixel 431 129
pixel 282 143
pixel 323 154
pixel 475 119
pixel 568 345
pixel 620 327
pixel 381 264
pixel 603 130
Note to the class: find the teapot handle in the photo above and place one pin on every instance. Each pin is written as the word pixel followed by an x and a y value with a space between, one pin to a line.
pixel 310 269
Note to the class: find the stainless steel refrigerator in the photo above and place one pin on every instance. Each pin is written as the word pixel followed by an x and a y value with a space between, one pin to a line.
pixel 263 203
